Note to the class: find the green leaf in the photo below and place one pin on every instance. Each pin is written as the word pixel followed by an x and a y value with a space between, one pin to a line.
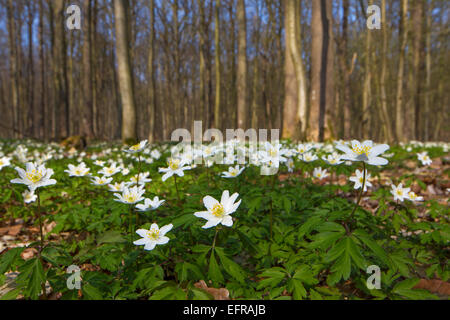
pixel 112 236
pixel 32 276
pixel 9 258
pixel 298 292
pixel 372 245
pixel 91 293
pixel 231 267
pixel 214 272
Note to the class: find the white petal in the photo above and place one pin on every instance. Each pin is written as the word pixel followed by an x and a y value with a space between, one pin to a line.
pixel 209 202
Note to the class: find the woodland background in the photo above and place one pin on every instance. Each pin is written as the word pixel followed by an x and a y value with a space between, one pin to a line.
pixel 140 69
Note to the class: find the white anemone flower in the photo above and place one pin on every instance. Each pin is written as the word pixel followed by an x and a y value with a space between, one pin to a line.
pixel 143 178
pixel 175 166
pixel 424 158
pixel 399 192
pixel 273 154
pixel 150 204
pixel 130 195
pixel 219 212
pixel 358 180
pixel 110 171
pixel 4 162
pixel 414 197
pixel 308 157
pixel 320 173
pixel 34 176
pixel 150 238
pixel 232 172
pixel 99 163
pixel 117 187
pixel 137 147
pixel 77 171
pixel 365 152
pixel 29 196
pixel 332 159
pixel 101 181
pixel 290 165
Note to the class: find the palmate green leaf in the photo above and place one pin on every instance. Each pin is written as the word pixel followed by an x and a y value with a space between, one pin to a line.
pixel 324 240
pixel 341 269
pixel 309 225
pixel 199 294
pixel 188 271
pixel 11 295
pixel 405 289
pixel 273 277
pixel 214 272
pixel 31 277
pixel 91 293
pixel 296 287
pixel 111 236
pixel 372 245
pixel 184 220
pixel 305 275
pixel 9 259
pixel 231 267
pixel 170 292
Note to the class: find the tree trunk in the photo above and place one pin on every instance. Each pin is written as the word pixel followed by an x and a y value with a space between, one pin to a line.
pixel 399 124
pixel 124 73
pixel 151 73
pixel 294 113
pixel 384 109
pixel 217 109
pixel 242 66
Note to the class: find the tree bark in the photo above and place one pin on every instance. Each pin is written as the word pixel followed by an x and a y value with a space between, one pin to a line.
pixel 124 73
pixel 242 66
pixel 399 123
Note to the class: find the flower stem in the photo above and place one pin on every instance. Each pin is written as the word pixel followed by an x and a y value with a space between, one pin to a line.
pixel 176 188
pixel 360 192
pixel 131 223
pixel 40 221
pixel 215 237
pixel 44 292
pixel 139 173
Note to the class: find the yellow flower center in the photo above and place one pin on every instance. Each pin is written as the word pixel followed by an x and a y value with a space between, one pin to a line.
pixel 34 176
pixel 400 192
pixel 361 150
pixel 153 234
pixel 273 152
pixel 361 179
pixel 218 210
pixel 174 164
pixel 78 172
pixel 412 195
pixel 1 162
pixel 135 147
pixel 130 198
pixel 233 172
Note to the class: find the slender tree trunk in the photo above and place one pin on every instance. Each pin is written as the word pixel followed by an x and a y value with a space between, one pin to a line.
pixel 14 77
pixel 384 109
pixel 242 66
pixel 426 111
pixel 124 73
pixel 294 113
pixel 151 73
pixel 217 109
pixel 399 123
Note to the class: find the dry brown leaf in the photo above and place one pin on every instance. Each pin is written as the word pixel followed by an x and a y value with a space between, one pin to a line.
pixel 434 286
pixel 28 253
pixel 218 294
